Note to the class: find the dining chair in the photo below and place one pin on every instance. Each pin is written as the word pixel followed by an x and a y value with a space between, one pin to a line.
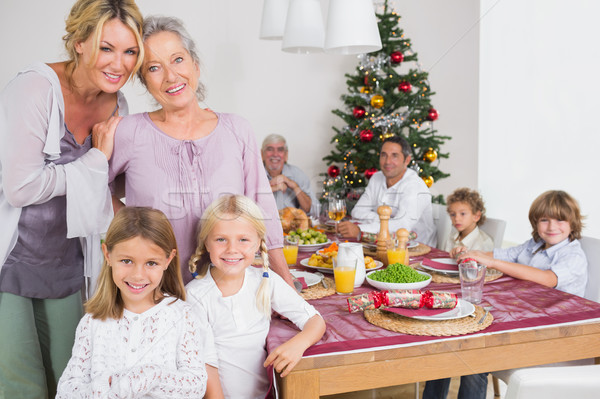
pixel 577 379
pixel 443 224
pixel 495 229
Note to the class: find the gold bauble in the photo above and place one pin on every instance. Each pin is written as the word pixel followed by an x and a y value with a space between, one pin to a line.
pixel 365 90
pixel 428 180
pixel 430 155
pixel 377 101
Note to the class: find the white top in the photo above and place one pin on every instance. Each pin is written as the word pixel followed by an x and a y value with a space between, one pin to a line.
pixel 410 201
pixel 477 240
pixel 240 330
pixel 156 354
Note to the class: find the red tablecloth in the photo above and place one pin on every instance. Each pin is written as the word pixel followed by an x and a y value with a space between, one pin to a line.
pixel 517 304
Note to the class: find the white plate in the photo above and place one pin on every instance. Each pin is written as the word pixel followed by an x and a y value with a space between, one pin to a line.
pixel 462 309
pixel 448 261
pixel 399 286
pixel 304 262
pixel 309 278
pixel 313 247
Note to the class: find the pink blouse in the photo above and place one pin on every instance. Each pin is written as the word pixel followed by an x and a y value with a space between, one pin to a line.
pixel 182 177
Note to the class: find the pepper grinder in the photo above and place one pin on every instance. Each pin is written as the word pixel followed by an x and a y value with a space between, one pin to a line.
pixel 383 239
pixel 402 237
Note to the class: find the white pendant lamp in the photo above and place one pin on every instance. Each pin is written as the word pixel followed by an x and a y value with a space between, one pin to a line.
pixel 273 19
pixel 352 27
pixel 304 32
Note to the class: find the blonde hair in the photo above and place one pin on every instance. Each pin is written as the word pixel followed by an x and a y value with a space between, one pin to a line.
pixel 87 19
pixel 559 205
pixel 471 198
pixel 237 206
pixel 128 223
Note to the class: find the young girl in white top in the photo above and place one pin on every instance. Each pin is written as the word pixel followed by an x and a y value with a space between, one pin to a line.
pixel 236 299
pixel 467 211
pixel 138 339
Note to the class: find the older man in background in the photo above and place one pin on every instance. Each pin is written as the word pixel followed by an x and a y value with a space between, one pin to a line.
pixel 290 186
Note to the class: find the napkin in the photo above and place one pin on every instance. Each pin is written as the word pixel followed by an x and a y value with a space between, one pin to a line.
pixel 416 312
pixel 439 265
pixel 303 282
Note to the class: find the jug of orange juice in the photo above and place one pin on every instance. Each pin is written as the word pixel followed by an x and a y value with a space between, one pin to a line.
pixel 353 251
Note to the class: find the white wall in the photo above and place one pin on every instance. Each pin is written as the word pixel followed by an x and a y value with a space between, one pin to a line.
pixel 280 92
pixel 538 107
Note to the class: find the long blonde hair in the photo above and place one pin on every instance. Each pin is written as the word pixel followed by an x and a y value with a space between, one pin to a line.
pixel 237 206
pixel 128 223
pixel 87 19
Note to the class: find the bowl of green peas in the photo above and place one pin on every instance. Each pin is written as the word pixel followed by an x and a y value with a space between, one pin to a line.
pixel 398 277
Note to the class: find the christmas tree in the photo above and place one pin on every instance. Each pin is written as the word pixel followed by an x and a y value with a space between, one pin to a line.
pixel 387 95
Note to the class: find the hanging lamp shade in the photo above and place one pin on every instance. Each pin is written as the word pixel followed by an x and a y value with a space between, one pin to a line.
pixel 272 23
pixel 304 31
pixel 352 27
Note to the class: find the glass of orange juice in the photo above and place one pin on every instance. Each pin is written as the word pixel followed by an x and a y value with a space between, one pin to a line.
pixel 290 250
pixel 396 253
pixel 343 274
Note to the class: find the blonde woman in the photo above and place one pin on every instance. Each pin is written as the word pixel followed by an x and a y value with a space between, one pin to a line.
pixel 56 127
pixel 237 299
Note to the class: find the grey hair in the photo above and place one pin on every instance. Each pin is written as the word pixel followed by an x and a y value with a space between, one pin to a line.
pixel 157 23
pixel 273 138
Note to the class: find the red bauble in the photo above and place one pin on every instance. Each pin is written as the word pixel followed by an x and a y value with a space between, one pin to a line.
pixel 405 86
pixel 358 112
pixel 333 171
pixel 366 80
pixel 366 136
pixel 396 57
pixel 370 172
pixel 433 114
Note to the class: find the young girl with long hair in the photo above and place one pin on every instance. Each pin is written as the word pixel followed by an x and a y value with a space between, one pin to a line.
pixel 236 299
pixel 138 337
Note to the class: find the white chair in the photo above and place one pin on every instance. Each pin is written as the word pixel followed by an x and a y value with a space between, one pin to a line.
pixel 562 380
pixel 443 224
pixel 495 229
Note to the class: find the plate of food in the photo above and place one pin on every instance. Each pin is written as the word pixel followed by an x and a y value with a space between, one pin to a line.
pixel 398 277
pixel 462 309
pixel 309 278
pixel 309 240
pixel 325 265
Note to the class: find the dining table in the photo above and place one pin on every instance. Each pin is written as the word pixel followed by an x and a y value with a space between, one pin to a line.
pixel 532 325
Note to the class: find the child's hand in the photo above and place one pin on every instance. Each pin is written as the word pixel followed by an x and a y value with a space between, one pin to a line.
pixel 285 357
pixel 457 250
pixel 485 258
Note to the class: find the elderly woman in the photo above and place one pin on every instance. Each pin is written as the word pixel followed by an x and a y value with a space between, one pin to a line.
pixel 181 157
pixel 53 175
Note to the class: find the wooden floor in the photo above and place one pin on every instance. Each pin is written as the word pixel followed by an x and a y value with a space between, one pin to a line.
pixel 408 392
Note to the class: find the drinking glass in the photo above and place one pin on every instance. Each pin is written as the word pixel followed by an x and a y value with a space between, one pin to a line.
pixel 472 278
pixel 344 272
pixel 336 210
pixel 290 250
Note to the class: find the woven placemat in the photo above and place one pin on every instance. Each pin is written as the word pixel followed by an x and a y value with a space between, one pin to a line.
pixel 419 250
pixel 318 290
pixel 406 325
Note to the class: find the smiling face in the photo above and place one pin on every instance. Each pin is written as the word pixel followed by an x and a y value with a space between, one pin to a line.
pixel 232 244
pixel 553 231
pixel 170 73
pixel 463 218
pixel 275 156
pixel 392 162
pixel 137 269
pixel 117 56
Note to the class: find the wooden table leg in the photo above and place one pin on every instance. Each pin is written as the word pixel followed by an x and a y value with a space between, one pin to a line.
pixel 299 385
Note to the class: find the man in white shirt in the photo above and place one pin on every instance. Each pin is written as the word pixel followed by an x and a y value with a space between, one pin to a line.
pixel 290 185
pixel 401 189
